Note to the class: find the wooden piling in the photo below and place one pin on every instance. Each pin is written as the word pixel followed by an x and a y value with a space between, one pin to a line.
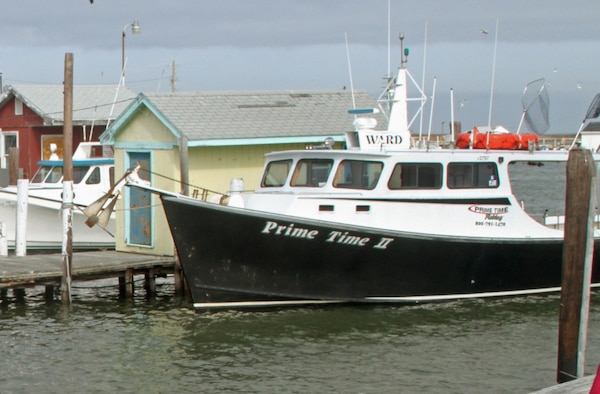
pixel 150 282
pixel 126 284
pixel 19 294
pixel 179 278
pixel 577 264
pixel 67 179
pixel 49 293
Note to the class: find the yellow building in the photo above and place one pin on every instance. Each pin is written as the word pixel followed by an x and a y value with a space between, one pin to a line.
pixel 194 141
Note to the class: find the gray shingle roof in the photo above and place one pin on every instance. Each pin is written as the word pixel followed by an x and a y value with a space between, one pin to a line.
pixel 262 114
pixel 91 103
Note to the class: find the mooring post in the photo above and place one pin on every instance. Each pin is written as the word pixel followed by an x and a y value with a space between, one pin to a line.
pixel 126 284
pixel 21 225
pixel 577 264
pixel 67 208
pixel 19 294
pixel 49 293
pixel 129 285
pixel 3 240
pixel 178 276
pixel 150 282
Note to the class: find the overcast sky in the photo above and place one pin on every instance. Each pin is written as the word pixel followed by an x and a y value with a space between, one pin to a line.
pixel 300 45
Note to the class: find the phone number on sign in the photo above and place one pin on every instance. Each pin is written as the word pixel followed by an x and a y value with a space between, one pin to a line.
pixel 490 224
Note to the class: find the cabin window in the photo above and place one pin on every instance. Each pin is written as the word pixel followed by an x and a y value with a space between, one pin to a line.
pixel 41 174
pixel 357 174
pixel 276 173
pixel 472 175
pixel 312 172
pixel 416 176
pixel 94 177
pixel 56 175
pixel 79 173
pixel 47 174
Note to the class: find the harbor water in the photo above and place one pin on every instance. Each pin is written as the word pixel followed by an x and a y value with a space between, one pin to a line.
pixel 101 344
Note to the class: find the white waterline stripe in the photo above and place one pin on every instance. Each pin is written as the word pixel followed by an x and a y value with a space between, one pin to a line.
pixel 412 299
pixel 446 297
pixel 251 304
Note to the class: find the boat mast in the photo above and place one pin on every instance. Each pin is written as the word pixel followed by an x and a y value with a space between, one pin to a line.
pixel 398 94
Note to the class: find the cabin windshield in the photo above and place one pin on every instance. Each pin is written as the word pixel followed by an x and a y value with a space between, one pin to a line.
pixel 472 175
pixel 357 174
pixel 311 172
pixel 48 174
pixel 276 173
pixel 416 176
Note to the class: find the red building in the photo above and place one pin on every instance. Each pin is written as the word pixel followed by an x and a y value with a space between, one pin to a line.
pixel 32 117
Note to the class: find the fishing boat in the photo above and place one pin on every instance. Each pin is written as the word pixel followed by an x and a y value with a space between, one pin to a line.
pixel 382 221
pixel 93 175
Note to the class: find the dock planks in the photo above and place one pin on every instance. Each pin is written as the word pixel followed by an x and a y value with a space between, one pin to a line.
pixel 46 269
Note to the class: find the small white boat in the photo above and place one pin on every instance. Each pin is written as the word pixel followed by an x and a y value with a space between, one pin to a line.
pixel 92 177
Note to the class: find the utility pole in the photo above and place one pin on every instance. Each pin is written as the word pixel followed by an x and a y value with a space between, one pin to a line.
pixel 173 76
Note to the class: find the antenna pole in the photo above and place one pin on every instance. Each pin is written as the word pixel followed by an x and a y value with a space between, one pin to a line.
pixel 350 71
pixel 389 72
pixel 493 75
pixel 452 113
pixel 423 77
pixel 173 76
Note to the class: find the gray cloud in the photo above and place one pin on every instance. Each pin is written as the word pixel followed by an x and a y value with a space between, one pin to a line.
pixel 299 44
pixel 284 23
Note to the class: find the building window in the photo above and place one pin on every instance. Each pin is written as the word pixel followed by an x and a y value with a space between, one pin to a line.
pixel 18 107
pixel 9 140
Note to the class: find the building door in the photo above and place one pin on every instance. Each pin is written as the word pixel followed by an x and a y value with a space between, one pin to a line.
pixel 10 139
pixel 138 220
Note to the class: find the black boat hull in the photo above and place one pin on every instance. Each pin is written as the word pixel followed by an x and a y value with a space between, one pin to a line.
pixel 239 255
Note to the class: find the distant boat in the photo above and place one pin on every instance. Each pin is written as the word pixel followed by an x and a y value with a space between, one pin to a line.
pixel 92 177
pixel 383 221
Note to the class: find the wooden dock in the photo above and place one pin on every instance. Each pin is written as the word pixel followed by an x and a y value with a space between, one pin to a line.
pixel 19 273
pixel 578 386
